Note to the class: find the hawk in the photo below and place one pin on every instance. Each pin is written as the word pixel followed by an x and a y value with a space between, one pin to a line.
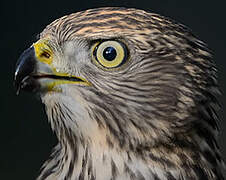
pixel 131 95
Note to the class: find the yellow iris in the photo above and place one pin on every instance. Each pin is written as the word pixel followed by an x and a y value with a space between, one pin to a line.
pixel 110 54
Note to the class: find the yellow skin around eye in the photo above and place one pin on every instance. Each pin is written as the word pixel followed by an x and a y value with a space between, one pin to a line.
pixel 118 59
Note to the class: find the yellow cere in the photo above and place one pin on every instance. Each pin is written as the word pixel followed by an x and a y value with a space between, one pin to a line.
pixel 43 52
pixel 118 59
pixel 45 55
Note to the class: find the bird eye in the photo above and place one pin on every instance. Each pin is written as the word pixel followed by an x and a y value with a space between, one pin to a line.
pixel 110 54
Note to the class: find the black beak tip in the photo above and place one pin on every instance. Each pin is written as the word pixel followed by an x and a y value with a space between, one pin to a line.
pixel 17 86
pixel 25 66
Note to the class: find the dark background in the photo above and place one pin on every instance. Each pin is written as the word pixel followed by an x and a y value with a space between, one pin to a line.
pixel 26 137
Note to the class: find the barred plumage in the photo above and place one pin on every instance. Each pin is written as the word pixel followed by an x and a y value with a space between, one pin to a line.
pixel 154 117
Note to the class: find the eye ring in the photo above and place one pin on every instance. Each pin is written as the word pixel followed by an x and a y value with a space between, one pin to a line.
pixel 110 54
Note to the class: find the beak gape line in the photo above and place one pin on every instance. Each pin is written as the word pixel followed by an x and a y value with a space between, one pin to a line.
pixel 29 72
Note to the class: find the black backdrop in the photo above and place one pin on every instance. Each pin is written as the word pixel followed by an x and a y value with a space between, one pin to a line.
pixel 26 138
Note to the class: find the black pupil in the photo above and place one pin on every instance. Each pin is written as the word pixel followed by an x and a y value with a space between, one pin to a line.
pixel 109 53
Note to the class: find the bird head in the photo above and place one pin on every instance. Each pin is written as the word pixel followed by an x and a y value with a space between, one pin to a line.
pixel 122 77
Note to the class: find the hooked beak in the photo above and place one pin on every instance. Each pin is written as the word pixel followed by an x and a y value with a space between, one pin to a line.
pixel 25 67
pixel 34 71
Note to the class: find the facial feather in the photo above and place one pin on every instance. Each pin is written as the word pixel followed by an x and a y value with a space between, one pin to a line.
pixel 154 117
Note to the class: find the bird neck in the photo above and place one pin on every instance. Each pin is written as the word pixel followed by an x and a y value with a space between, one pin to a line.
pixel 88 148
pixel 81 160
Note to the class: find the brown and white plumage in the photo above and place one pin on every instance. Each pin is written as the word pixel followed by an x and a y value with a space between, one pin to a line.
pixel 151 117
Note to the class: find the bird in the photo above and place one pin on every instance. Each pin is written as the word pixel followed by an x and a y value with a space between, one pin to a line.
pixel 130 95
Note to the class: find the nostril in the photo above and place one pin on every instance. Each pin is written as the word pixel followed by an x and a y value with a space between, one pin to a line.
pixel 45 55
